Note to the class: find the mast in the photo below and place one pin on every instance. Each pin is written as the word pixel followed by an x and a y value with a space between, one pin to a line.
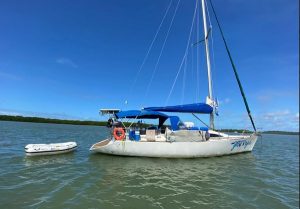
pixel 233 67
pixel 210 93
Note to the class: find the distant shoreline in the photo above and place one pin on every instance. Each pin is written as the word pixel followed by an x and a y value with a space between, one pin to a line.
pixel 50 120
pixel 103 123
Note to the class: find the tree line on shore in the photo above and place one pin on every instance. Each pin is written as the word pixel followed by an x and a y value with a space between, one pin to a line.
pixel 50 120
pixel 104 123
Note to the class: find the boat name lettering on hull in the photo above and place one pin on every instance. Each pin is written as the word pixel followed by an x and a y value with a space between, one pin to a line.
pixel 240 143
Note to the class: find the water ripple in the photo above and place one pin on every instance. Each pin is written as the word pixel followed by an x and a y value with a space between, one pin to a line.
pixel 266 178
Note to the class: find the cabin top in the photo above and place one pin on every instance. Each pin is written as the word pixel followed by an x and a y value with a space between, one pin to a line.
pixel 109 111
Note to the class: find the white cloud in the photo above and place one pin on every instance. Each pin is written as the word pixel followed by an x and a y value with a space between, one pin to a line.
pixel 227 100
pixel 9 76
pixel 9 113
pixel 276 115
pixel 224 101
pixel 267 96
pixel 278 120
pixel 296 118
pixel 67 62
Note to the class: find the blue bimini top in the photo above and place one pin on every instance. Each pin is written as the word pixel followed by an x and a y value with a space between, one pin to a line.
pixel 143 114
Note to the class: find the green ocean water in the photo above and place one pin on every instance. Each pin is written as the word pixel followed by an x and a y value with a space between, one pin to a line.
pixel 268 177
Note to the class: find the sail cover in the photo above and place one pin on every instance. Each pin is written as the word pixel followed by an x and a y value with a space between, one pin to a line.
pixel 187 108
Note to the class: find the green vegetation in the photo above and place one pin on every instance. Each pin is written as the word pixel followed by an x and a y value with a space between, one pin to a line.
pixel 234 131
pixel 60 121
pixel 281 132
pixel 103 123
pixel 263 132
pixel 50 120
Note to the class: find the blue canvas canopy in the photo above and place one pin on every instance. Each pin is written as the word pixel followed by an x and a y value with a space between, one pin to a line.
pixel 174 122
pixel 143 114
pixel 187 108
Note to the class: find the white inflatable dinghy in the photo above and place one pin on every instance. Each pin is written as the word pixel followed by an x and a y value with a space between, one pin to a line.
pixel 49 149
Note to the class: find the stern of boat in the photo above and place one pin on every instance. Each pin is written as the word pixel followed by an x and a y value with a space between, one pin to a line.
pixel 100 145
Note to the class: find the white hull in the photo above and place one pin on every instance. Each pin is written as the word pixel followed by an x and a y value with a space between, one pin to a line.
pixel 213 147
pixel 50 149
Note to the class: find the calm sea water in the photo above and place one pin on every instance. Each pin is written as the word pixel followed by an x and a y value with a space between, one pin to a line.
pixel 266 178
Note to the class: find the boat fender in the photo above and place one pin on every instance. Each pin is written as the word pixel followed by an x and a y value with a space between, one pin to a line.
pixel 207 135
pixel 119 133
pixel 109 123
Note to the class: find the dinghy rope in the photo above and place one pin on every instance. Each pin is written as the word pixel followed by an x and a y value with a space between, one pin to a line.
pixel 233 66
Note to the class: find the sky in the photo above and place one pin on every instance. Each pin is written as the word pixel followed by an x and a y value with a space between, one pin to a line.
pixel 67 59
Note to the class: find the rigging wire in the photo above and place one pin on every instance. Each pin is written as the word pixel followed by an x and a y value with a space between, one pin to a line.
pixel 150 47
pixel 192 66
pixel 197 58
pixel 213 62
pixel 211 39
pixel 212 46
pixel 210 25
pixel 161 51
pixel 184 78
pixel 233 67
pixel 184 56
pixel 200 120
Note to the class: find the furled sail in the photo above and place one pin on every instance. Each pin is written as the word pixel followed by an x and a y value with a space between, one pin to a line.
pixel 186 108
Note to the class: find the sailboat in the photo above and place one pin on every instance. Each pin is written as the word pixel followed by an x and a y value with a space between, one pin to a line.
pixel 172 138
